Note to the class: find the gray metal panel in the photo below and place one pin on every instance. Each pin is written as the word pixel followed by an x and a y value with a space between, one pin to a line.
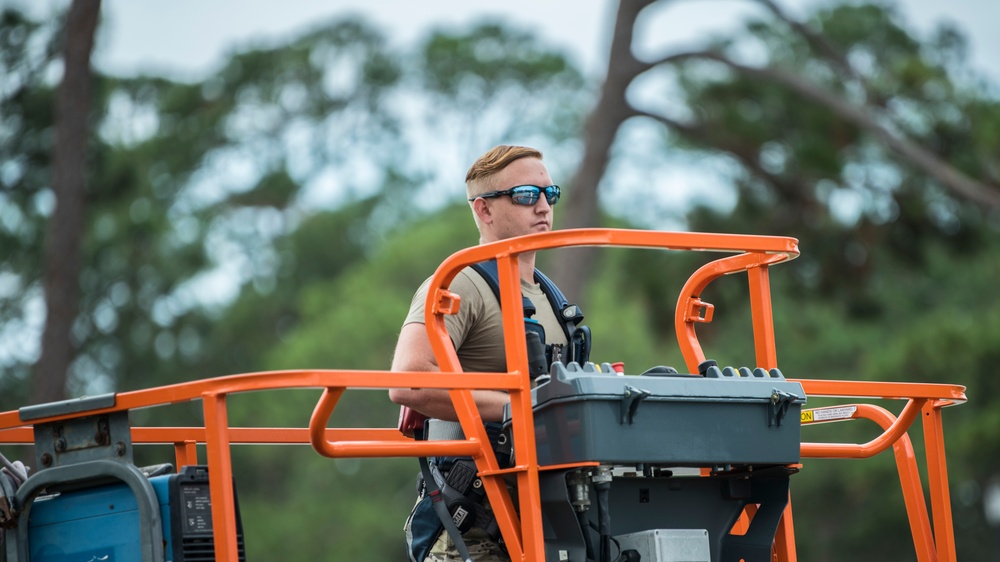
pixel 668 545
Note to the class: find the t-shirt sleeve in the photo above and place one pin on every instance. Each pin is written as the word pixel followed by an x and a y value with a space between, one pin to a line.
pixel 469 311
pixel 416 313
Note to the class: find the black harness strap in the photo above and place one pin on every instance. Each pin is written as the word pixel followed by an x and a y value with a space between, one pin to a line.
pixel 569 315
pixel 434 482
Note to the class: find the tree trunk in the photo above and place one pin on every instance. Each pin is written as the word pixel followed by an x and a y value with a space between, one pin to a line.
pixel 65 228
pixel 570 267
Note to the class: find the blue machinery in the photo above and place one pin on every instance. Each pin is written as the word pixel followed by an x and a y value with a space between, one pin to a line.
pixel 91 503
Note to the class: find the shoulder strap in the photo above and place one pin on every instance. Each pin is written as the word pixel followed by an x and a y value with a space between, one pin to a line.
pixel 558 302
pixel 569 315
pixel 489 272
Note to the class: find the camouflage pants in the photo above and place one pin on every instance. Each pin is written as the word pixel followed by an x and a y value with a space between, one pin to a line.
pixel 481 549
pixel 477 541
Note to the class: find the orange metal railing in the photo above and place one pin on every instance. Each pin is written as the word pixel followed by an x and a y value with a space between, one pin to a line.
pixel 522 526
pixel 923 401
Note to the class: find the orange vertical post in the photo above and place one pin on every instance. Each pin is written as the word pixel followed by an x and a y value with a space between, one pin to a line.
pixel 763 319
pixel 767 357
pixel 523 431
pixel 186 453
pixel 913 499
pixel 220 470
pixel 937 477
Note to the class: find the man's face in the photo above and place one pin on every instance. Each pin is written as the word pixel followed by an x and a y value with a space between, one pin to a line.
pixel 507 219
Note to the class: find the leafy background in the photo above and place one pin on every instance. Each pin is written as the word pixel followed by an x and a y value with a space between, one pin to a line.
pixel 214 244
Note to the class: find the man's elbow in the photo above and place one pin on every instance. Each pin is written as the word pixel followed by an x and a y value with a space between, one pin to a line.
pixel 397 395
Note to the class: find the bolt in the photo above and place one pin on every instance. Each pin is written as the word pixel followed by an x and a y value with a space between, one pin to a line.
pixel 120 449
pixel 60 445
pixel 46 459
pixel 477 483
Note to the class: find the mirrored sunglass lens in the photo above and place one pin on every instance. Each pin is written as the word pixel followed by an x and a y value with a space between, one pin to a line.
pixel 552 194
pixel 525 195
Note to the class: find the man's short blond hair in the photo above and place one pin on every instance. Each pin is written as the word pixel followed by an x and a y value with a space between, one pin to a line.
pixel 481 177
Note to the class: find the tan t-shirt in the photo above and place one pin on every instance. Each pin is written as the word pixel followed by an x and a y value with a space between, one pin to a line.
pixel 477 328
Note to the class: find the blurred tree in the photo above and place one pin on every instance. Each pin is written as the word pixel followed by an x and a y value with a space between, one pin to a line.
pixel 492 84
pixel 64 231
pixel 840 186
pixel 189 184
pixel 237 223
pixel 26 107
pixel 850 92
pixel 864 142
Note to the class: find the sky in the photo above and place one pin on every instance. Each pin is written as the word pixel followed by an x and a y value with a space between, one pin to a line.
pixel 189 38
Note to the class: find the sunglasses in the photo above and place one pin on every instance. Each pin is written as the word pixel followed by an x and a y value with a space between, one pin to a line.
pixel 525 194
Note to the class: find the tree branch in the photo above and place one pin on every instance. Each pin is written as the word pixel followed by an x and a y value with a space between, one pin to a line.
pixel 747 156
pixel 916 155
pixel 570 267
pixel 818 42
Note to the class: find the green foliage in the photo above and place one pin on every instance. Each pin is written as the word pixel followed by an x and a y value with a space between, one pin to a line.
pixel 488 58
pixel 26 106
pixel 809 173
pixel 157 229
pixel 517 86
pixel 894 280
pixel 350 321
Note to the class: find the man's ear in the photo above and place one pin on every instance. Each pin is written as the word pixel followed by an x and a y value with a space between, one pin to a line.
pixel 483 211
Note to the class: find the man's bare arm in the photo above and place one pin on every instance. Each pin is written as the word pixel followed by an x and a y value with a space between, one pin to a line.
pixel 414 353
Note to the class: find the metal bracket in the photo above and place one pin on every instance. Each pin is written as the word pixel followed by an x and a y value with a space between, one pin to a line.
pixel 698 311
pixel 630 403
pixel 778 406
pixel 65 442
pixel 446 302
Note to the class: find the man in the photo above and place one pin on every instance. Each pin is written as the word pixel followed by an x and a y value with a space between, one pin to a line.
pixel 511 194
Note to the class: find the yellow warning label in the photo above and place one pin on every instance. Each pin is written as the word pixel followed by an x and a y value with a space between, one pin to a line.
pixel 832 413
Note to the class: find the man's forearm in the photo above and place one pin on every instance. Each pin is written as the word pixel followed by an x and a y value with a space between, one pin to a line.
pixel 436 403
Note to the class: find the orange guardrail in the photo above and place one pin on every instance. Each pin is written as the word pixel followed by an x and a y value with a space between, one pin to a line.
pixel 522 526
pixel 931 544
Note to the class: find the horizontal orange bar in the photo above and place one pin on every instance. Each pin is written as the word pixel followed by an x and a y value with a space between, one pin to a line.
pixel 881 389
pixel 409 448
pixel 237 435
pixel 278 380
